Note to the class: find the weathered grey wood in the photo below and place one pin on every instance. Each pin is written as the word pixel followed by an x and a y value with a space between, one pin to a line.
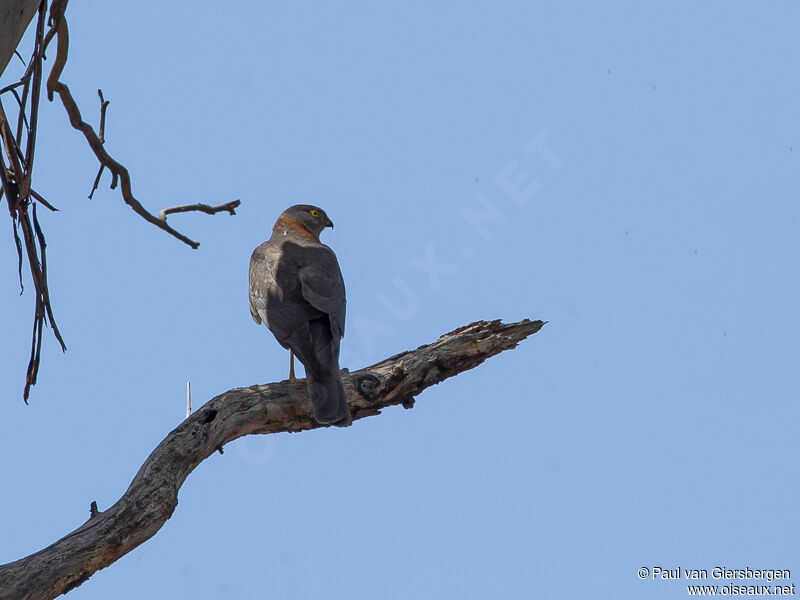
pixel 153 495
pixel 15 16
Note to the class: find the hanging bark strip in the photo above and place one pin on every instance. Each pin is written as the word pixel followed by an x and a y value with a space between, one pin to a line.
pixel 15 177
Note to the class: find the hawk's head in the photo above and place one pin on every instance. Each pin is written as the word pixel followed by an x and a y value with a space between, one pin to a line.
pixel 312 218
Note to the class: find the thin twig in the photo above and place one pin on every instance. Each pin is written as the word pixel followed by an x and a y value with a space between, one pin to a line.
pixel 103 106
pixel 21 105
pixel 204 208
pixel 42 200
pixel 11 86
pixel 96 181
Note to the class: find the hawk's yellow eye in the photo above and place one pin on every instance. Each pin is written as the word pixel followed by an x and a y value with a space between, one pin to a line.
pixel 314 213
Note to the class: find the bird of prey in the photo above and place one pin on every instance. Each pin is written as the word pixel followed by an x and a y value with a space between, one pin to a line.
pixel 297 291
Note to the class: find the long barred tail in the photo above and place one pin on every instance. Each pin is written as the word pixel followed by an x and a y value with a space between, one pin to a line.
pixel 324 379
pixel 327 396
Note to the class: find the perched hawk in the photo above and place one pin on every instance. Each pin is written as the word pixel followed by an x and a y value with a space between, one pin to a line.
pixel 297 290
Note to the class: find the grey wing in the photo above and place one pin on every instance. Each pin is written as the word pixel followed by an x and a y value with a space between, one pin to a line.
pixel 263 265
pixel 322 285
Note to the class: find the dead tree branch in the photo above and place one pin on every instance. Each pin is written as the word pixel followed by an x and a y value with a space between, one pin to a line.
pixel 260 409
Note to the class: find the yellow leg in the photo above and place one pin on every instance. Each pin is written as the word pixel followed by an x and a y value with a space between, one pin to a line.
pixel 291 366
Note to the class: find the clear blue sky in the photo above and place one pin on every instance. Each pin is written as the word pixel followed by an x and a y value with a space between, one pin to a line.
pixel 653 421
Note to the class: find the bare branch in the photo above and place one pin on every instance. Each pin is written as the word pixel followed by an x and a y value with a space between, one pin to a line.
pixel 209 210
pixel 153 495
pixel 54 86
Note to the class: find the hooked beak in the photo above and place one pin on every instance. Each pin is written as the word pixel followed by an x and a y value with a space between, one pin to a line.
pixel 329 224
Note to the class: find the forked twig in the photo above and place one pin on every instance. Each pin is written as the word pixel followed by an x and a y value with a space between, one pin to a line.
pixel 103 106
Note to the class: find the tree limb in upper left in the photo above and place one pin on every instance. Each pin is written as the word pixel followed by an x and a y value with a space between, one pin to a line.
pixel 18 140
